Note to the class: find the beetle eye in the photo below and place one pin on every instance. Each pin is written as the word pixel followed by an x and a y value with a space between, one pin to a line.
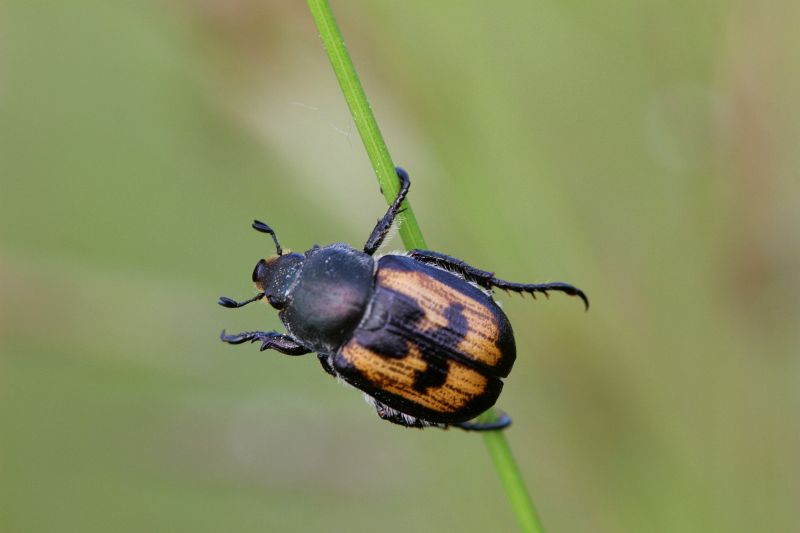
pixel 260 271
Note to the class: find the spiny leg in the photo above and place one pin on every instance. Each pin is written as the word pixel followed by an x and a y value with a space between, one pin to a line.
pixel 382 227
pixel 501 421
pixel 401 419
pixel 394 416
pixel 270 340
pixel 487 280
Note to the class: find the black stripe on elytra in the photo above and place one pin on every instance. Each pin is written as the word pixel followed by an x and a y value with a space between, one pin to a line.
pixel 395 323
pixel 456 323
pixel 456 320
pixel 505 337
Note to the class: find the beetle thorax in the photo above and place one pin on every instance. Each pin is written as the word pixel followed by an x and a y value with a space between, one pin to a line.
pixel 329 297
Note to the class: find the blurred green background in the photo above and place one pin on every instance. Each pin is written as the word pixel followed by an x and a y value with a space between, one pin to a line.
pixel 644 150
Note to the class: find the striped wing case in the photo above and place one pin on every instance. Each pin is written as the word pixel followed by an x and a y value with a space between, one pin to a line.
pixel 430 345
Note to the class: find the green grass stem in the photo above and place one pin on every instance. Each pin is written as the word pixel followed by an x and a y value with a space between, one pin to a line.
pixel 496 442
pixel 364 118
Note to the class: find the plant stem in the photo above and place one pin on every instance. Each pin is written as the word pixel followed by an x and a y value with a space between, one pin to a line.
pixel 363 117
pixel 496 442
pixel 511 477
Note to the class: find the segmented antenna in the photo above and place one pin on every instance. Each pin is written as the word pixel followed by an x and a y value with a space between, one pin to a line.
pixel 263 228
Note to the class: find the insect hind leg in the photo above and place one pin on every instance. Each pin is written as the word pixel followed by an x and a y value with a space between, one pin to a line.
pixel 401 419
pixel 487 280
pixel 501 421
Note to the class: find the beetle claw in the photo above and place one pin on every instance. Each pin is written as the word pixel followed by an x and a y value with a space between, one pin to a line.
pixel 231 339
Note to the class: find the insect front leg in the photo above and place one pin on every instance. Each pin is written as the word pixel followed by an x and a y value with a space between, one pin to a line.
pixel 270 340
pixel 382 227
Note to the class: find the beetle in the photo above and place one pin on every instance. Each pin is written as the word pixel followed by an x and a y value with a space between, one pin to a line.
pixel 418 333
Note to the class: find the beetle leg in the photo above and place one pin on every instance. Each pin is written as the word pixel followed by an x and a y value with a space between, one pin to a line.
pixel 382 227
pixel 502 421
pixel 396 417
pixel 323 360
pixel 487 280
pixel 269 340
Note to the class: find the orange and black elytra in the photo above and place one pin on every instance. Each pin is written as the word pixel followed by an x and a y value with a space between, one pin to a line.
pixel 418 333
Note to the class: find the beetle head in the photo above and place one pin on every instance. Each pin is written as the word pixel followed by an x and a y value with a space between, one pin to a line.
pixel 275 277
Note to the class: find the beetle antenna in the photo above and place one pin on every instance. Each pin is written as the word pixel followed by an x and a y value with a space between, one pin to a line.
pixel 230 303
pixel 263 228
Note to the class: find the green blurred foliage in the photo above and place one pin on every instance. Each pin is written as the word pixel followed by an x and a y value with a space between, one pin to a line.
pixel 645 151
